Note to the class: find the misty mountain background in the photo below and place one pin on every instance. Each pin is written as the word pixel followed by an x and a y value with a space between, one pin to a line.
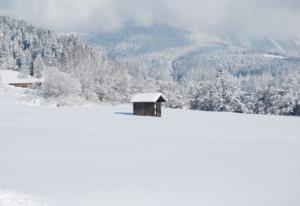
pixel 138 40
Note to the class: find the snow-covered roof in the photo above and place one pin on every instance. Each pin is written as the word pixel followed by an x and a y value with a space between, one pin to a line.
pixel 148 97
pixel 10 77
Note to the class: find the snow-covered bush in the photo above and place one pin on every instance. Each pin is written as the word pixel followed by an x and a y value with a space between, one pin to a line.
pixel 59 85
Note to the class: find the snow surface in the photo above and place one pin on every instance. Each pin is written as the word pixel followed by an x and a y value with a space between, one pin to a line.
pixel 148 97
pixel 102 155
pixel 10 76
pixel 18 199
pixel 272 56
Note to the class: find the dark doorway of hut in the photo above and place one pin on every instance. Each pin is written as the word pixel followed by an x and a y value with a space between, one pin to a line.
pixel 148 104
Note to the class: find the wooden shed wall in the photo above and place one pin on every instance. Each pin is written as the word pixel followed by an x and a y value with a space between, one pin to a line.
pixel 158 109
pixel 144 108
pixel 26 85
pixel 22 85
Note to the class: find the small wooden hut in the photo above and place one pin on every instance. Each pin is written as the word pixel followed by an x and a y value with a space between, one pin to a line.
pixel 14 78
pixel 148 104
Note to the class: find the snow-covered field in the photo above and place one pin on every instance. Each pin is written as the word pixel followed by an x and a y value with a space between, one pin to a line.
pixel 101 155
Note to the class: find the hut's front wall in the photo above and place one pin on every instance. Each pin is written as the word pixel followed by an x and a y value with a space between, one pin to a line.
pixel 144 109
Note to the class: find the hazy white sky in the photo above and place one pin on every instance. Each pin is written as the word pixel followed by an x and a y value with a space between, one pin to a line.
pixel 255 18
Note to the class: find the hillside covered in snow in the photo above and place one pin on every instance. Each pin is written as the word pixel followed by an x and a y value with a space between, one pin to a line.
pixel 31 49
pixel 194 71
pixel 180 51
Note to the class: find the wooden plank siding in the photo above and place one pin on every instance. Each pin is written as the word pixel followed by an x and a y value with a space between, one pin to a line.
pixel 158 109
pixel 144 109
pixel 147 109
pixel 25 85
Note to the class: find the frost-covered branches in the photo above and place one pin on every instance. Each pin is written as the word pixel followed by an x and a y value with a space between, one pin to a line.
pixel 58 84
pixel 278 96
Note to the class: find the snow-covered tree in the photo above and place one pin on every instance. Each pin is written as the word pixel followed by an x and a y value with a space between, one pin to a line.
pixel 58 84
pixel 219 94
pixel 38 66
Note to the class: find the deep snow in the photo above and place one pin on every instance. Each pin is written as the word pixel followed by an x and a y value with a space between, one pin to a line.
pixel 101 155
pixel 10 76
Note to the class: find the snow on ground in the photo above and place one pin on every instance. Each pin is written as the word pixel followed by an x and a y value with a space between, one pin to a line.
pixel 102 155
pixel 17 199
pixel 272 56
pixel 10 76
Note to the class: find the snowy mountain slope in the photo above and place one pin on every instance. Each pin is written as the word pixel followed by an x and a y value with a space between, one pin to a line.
pixel 101 155
pixel 239 61
pixel 288 46
pixel 135 40
pixel 30 49
pixel 178 50
pixel 138 40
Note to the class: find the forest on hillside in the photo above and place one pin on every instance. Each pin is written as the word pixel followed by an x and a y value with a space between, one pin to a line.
pixel 211 77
